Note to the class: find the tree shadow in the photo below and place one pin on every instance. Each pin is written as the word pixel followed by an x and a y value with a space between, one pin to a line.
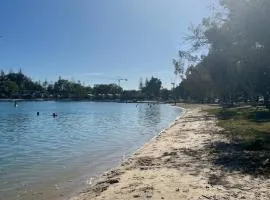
pixel 259 116
pixel 250 159
pixel 251 114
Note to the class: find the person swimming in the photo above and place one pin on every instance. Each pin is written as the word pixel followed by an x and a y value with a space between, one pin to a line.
pixel 54 115
pixel 37 113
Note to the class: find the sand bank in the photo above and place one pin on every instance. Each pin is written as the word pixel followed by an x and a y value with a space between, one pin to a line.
pixel 180 163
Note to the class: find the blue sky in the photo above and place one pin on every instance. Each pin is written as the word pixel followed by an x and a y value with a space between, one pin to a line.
pixel 96 41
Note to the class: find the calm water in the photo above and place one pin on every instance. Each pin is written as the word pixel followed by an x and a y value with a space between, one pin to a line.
pixel 44 157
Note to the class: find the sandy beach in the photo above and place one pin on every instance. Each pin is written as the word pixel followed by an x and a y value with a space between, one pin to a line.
pixel 183 162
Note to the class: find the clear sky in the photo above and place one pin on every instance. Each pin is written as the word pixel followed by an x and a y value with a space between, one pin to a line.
pixel 96 41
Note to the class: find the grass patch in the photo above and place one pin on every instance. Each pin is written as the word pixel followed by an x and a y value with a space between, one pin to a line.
pixel 248 126
pixel 248 150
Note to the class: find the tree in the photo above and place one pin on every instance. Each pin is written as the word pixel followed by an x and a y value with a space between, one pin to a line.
pixel 141 84
pixel 17 84
pixel 45 84
pixel 10 87
pixel 107 89
pixel 69 89
pixel 152 88
pixel 165 94
pixel 2 75
pixel 237 63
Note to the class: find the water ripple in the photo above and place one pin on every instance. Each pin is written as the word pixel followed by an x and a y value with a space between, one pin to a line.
pixel 85 137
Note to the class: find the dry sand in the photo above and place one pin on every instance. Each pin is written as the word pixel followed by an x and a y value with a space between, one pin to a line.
pixel 180 163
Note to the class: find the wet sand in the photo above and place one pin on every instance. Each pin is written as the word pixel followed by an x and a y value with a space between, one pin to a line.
pixel 179 163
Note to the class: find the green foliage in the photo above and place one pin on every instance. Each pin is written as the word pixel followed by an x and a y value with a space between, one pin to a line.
pixel 104 89
pixel 152 88
pixel 165 94
pixel 68 89
pixel 237 64
pixel 17 85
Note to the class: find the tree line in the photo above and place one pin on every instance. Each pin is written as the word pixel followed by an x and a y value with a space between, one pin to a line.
pixel 149 90
pixel 19 86
pixel 237 65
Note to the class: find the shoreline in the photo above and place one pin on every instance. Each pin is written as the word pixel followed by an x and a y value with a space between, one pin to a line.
pixel 107 175
pixel 179 163
pixel 95 179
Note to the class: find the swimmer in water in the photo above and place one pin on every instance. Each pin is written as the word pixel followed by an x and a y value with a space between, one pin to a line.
pixel 37 113
pixel 54 115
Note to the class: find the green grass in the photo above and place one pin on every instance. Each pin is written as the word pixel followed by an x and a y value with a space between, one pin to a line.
pixel 249 126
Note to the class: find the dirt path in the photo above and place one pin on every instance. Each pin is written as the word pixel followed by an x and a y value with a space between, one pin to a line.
pixel 180 163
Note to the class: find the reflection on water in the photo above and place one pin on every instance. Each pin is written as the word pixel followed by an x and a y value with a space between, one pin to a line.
pixel 149 114
pixel 42 157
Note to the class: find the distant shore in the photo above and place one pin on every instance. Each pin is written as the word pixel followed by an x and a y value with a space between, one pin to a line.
pixel 178 164
pixel 12 100
pixel 88 100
